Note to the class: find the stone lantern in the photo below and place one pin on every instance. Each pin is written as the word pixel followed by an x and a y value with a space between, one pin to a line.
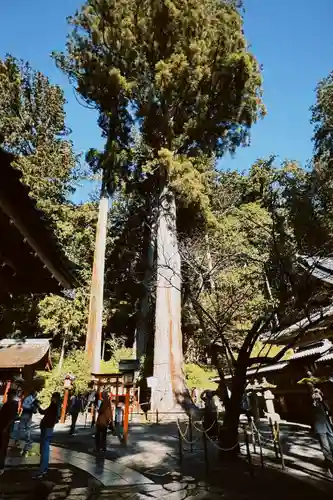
pixel 264 389
pixel 269 397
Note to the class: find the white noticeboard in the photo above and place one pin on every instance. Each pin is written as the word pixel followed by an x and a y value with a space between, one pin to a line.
pixel 151 382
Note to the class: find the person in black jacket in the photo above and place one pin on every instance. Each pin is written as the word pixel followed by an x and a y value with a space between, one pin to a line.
pixel 51 417
pixel 8 414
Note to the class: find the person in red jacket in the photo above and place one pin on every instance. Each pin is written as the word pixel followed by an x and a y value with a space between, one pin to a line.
pixel 8 414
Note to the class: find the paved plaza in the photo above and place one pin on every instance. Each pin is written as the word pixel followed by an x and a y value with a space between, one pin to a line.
pixel 149 468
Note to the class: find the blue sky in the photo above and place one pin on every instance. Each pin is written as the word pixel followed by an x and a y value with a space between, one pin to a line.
pixel 291 38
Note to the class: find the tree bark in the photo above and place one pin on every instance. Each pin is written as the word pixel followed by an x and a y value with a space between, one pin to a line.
pixel 62 352
pixel 94 333
pixel 141 337
pixel 168 350
pixel 229 432
pixel 209 263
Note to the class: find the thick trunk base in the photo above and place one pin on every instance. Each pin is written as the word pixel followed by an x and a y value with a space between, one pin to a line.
pixel 168 349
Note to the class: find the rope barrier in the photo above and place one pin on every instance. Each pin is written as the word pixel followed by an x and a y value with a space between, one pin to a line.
pixel 255 428
pixel 219 447
pixel 185 432
pixel 183 436
pixel 264 439
pixel 205 431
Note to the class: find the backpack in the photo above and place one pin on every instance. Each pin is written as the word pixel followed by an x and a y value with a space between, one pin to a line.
pixel 105 416
pixel 76 405
pixel 30 404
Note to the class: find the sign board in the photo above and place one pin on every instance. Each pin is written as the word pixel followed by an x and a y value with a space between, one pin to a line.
pixel 129 365
pixel 152 382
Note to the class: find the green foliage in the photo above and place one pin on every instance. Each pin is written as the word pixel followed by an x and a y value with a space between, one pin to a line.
pixel 65 317
pixel 199 377
pixel 182 70
pixel 312 380
pixel 75 363
pixel 318 185
pixel 269 351
pixel 229 297
pixel 252 244
pixel 112 366
pixel 32 126
pixel 322 118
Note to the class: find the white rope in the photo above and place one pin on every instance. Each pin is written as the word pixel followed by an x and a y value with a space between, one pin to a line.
pixel 183 436
pixel 203 429
pixel 187 426
pixel 220 448
pixel 260 434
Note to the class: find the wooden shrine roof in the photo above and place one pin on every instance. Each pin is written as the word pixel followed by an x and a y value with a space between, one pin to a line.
pixel 320 268
pixel 31 261
pixel 316 326
pixel 16 354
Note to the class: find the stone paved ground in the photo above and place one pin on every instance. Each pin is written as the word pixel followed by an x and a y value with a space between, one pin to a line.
pixel 153 451
pixel 300 447
pixel 62 482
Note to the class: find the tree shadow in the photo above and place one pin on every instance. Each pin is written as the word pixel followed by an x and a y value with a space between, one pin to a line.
pixel 153 451
pixel 18 482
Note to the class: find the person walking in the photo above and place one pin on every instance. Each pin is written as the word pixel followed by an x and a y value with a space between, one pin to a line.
pixel 323 427
pixel 8 414
pixel 246 407
pixel 102 423
pixel 29 407
pixel 210 414
pixel 75 407
pixel 119 421
pixel 51 417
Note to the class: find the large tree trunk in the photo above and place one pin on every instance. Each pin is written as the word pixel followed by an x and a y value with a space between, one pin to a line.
pixel 94 333
pixel 229 432
pixel 141 337
pixel 168 349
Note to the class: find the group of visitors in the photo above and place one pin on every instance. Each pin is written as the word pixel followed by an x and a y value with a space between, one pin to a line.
pixel 108 418
pixel 9 413
pixel 106 415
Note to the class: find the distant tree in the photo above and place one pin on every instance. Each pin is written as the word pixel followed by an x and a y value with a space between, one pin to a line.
pixel 76 364
pixel 32 126
pixel 322 119
pixel 320 179
pixel 244 281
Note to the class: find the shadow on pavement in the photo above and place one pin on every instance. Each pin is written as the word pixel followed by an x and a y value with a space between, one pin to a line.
pixel 63 480
pixel 153 451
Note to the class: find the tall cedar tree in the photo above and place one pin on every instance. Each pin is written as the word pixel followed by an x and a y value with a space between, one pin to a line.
pixel 182 71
